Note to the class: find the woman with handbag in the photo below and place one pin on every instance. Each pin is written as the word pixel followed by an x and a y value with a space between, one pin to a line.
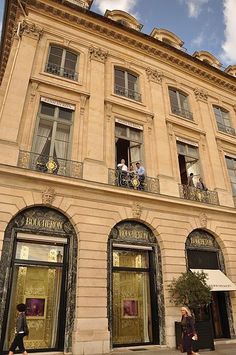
pixel 188 331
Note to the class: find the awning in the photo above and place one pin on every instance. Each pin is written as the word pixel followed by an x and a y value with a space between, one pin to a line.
pixel 217 280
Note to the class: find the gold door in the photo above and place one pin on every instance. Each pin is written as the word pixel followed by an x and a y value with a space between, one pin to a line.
pixel 39 287
pixel 132 323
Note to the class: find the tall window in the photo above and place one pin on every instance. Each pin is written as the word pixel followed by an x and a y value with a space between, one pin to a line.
pixel 223 120
pixel 52 136
pixel 188 162
pixel 179 103
pixel 126 84
pixel 128 144
pixel 62 62
pixel 231 166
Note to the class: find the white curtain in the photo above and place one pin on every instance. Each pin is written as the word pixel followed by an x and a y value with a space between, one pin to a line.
pixel 61 143
pixel 42 137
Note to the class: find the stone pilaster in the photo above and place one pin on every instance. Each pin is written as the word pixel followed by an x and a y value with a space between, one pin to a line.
pixel 28 35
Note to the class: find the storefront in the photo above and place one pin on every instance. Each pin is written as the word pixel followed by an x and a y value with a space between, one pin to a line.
pixel 38 267
pixel 204 253
pixel 136 311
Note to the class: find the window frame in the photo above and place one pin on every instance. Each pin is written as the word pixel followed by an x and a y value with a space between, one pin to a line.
pixel 55 121
pixel 137 97
pixel 62 68
pixel 180 110
pixel 234 171
pixel 223 127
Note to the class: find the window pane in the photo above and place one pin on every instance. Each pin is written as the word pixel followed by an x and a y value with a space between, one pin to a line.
pixel 44 136
pixel 47 109
pixel 121 131
pixel 132 82
pixel 62 141
pixel 55 55
pixel 234 189
pixel 70 61
pixel 181 147
pixel 134 259
pixel 65 113
pixel 192 151
pixel 119 77
pixel 40 252
pixel 183 101
pixel 173 100
pixel 135 134
pixel 229 163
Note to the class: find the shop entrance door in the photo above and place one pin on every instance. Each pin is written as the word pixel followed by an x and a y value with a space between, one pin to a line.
pixel 134 319
pixel 219 316
pixel 38 279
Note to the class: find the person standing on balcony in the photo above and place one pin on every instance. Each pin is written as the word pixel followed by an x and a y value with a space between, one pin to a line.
pixel 201 186
pixel 140 171
pixel 190 180
pixel 122 172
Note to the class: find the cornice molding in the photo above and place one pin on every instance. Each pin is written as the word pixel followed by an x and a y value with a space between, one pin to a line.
pixel 98 54
pixel 150 48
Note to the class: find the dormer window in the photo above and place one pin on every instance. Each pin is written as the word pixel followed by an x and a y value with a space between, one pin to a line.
pixel 126 84
pixel 62 62
pixel 179 103
pixel 223 120
pixel 123 22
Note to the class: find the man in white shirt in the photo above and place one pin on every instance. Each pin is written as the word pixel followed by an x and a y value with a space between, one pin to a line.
pixel 140 171
pixel 122 166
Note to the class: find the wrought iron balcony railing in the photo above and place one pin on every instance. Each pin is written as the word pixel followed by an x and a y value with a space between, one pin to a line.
pixel 132 181
pixel 181 112
pixel 194 194
pixel 131 94
pixel 50 165
pixel 226 129
pixel 60 71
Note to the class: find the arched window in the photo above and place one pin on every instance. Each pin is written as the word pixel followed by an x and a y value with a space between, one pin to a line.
pixel 223 120
pixel 127 84
pixel 179 103
pixel 62 62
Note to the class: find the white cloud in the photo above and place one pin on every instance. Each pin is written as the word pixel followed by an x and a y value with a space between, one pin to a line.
pixel 125 5
pixel 229 45
pixel 194 6
pixel 198 41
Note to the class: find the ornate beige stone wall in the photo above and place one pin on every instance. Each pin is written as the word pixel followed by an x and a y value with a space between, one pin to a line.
pixel 92 205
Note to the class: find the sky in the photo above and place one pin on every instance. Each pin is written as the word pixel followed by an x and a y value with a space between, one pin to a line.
pixel 202 24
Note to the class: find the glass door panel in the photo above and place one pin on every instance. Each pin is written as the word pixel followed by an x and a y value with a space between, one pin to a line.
pixel 39 288
pixel 132 323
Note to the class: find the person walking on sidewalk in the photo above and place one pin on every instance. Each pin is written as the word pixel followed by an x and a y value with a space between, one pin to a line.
pixel 188 331
pixel 21 331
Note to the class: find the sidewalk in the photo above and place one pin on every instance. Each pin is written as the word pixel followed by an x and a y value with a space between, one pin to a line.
pixel 220 349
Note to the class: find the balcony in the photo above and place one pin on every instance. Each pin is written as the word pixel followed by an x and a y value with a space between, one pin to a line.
pixel 132 182
pixel 130 94
pixel 59 71
pixel 181 112
pixel 194 194
pixel 225 129
pixel 50 165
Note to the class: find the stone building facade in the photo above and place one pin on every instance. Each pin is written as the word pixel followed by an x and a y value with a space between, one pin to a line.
pixel 88 247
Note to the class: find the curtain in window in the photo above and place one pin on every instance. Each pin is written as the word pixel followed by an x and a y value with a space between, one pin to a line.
pixel 43 139
pixel 61 141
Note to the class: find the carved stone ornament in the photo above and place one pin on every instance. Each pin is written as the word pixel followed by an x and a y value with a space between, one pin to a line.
pixel 203 220
pixel 83 99
pixel 98 54
pixel 48 196
pixel 154 75
pixel 137 210
pixel 29 29
pixel 201 94
pixel 108 111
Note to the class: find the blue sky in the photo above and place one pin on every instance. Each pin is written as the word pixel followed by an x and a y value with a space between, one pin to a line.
pixel 202 24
